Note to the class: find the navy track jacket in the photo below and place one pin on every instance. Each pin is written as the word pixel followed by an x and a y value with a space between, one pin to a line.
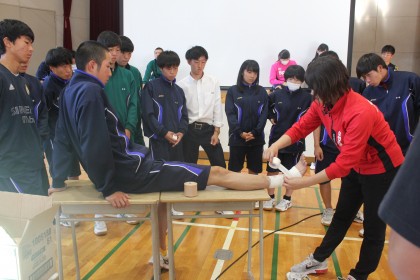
pixel 246 112
pixel 89 128
pixel 398 98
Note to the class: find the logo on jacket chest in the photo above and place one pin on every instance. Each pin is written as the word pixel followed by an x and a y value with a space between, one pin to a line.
pixel 336 137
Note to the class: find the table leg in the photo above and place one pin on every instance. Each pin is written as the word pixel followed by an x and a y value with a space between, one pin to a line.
pixel 170 242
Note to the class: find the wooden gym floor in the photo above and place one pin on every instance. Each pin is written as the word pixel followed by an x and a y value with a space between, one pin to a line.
pixel 124 252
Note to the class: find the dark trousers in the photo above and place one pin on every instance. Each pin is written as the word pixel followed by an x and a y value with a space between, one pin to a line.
pixel 199 134
pixel 48 150
pixel 355 190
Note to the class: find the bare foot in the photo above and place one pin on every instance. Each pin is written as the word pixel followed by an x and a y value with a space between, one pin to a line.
pixel 301 165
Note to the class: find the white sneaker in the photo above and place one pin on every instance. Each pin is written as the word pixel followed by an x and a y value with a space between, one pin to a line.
pixel 283 205
pixel 297 276
pixel 362 232
pixel 100 226
pixel 225 212
pixel 312 167
pixel 67 223
pixel 269 204
pixel 359 217
pixel 134 222
pixel 310 266
pixel 327 216
pixel 163 262
pixel 177 213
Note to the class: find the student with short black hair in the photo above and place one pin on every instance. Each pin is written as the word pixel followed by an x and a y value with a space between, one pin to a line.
pixel 22 168
pixel 123 59
pixel 59 60
pixel 246 109
pixel 203 100
pixel 121 87
pixel 115 165
pixel 152 69
pixel 165 115
pixel 123 96
pixel 396 94
pixel 204 105
pixel 286 106
pixel 387 54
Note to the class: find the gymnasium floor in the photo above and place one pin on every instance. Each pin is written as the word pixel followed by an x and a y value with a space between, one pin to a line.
pixel 124 252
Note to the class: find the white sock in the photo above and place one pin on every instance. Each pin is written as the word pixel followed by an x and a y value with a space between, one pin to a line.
pixel 276 181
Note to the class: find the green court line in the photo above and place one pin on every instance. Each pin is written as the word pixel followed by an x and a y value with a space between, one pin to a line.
pixel 274 261
pixel 333 255
pixel 183 235
pixel 113 250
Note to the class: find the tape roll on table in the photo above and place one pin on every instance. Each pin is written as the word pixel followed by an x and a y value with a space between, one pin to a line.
pixel 190 189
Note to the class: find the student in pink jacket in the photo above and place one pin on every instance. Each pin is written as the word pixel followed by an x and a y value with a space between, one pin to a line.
pixel 279 67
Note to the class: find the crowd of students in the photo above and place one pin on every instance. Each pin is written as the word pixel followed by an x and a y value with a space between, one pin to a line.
pixel 93 114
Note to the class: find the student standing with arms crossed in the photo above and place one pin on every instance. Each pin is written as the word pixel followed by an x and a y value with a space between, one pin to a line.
pixel 368 161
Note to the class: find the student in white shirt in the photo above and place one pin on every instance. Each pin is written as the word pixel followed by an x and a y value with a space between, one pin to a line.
pixel 204 106
pixel 202 94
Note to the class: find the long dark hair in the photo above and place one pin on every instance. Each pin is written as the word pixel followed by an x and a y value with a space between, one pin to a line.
pixel 250 65
pixel 328 78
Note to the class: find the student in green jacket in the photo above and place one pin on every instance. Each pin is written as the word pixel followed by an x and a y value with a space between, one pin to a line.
pixel 152 69
pixel 127 48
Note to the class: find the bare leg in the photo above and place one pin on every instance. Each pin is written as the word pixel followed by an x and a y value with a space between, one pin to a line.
pixel 325 190
pixel 239 181
pixel 236 181
pixel 163 225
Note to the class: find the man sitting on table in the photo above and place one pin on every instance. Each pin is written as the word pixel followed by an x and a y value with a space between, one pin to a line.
pixel 88 127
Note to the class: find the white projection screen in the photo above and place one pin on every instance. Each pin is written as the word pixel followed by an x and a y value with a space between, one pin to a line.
pixel 235 30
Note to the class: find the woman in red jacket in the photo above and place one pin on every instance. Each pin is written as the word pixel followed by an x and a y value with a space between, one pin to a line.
pixel 368 161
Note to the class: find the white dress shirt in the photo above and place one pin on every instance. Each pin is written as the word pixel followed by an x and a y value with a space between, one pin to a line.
pixel 203 100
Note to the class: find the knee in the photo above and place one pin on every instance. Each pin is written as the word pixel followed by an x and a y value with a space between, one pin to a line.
pixel 219 171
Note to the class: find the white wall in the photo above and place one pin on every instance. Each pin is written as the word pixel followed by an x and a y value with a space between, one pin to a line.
pixel 46 18
pixel 235 30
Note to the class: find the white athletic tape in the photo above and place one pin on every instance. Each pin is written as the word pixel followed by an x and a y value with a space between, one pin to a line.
pixel 276 164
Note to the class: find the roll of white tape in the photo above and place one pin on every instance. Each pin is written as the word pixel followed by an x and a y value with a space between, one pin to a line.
pixel 275 163
pixel 190 189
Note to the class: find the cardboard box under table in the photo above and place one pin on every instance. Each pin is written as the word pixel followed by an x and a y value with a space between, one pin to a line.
pixel 212 199
pixel 81 197
pixel 27 250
